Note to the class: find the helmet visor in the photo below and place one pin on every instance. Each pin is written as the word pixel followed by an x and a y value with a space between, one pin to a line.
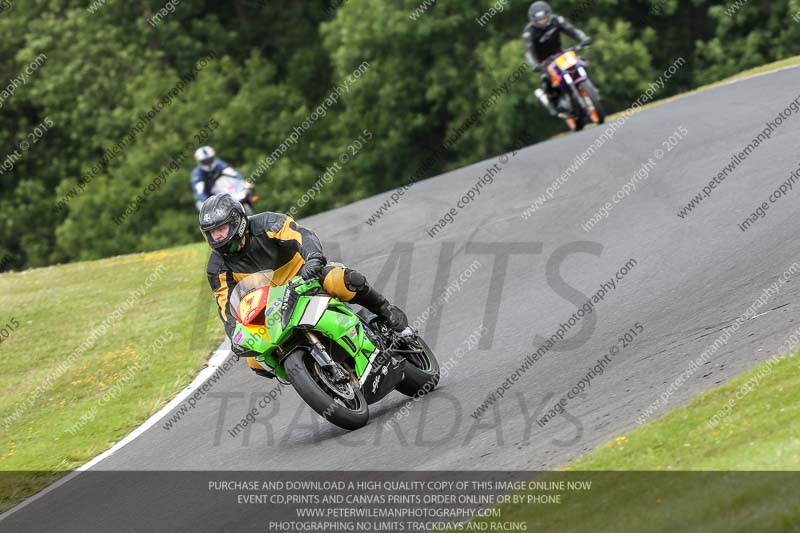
pixel 541 18
pixel 207 164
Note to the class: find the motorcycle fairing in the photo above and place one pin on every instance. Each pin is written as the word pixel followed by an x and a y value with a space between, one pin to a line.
pixel 252 304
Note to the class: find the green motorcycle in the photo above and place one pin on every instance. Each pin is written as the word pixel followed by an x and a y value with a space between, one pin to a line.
pixel 338 361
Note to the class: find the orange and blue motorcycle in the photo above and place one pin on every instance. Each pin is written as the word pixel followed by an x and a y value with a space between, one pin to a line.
pixel 578 102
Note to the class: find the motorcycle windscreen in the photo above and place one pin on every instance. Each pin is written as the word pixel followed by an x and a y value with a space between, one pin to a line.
pixel 229 185
pixel 567 61
pixel 252 304
pixel 250 296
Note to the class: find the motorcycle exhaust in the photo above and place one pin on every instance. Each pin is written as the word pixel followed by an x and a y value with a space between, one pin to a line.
pixel 542 97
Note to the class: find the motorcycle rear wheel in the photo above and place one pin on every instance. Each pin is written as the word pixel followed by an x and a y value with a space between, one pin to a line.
pixel 421 370
pixel 341 405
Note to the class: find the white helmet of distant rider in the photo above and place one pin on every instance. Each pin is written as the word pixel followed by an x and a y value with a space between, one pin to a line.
pixel 205 157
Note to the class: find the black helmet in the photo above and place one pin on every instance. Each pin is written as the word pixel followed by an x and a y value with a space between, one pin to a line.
pixel 540 14
pixel 222 211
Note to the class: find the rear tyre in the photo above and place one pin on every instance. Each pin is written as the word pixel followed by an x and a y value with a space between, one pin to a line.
pixel 343 405
pixel 594 108
pixel 422 369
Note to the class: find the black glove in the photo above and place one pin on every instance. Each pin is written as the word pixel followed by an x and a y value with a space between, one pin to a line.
pixel 312 267
pixel 586 42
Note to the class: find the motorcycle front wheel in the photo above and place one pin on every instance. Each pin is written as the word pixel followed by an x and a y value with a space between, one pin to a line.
pixel 591 102
pixel 341 404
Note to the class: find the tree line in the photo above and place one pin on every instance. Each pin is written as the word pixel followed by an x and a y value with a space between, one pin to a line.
pixel 100 104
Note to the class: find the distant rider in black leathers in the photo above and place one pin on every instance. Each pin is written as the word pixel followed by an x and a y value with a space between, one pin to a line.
pixel 542 40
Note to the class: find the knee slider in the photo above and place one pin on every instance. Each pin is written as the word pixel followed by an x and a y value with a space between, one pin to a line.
pixel 355 281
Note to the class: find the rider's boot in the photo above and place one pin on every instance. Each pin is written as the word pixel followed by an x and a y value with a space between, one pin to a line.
pixel 359 291
pixel 391 315
pixel 367 297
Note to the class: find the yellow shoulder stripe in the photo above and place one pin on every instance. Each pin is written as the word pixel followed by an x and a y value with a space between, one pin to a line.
pixel 286 233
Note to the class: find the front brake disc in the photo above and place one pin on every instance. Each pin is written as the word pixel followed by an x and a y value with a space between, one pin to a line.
pixel 345 390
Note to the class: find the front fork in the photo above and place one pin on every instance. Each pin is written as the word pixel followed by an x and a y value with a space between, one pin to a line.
pixel 576 96
pixel 324 359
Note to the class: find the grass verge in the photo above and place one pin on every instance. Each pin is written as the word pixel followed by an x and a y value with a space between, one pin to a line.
pixel 749 423
pixel 97 348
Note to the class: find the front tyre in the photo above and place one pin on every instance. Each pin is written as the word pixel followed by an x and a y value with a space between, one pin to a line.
pixel 591 102
pixel 343 405
pixel 421 371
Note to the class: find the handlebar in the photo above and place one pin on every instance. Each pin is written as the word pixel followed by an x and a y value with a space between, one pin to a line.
pixel 575 48
pixel 302 286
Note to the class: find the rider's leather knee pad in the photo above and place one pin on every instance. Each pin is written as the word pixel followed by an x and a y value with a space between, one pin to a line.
pixel 336 283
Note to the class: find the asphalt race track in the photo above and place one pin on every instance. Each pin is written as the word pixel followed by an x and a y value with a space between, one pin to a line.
pixel 692 278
